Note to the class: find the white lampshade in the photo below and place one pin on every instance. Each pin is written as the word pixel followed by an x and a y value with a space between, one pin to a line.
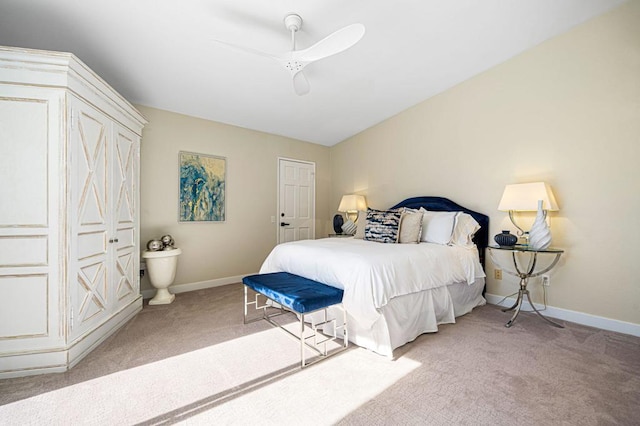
pixel 524 197
pixel 352 203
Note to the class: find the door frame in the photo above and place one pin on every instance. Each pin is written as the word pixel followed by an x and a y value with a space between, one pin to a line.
pixel 313 220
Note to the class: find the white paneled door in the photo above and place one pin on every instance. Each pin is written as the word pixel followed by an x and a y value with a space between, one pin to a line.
pixel 296 200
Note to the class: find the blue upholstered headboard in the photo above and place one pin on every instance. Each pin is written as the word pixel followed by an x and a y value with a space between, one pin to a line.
pixel 440 204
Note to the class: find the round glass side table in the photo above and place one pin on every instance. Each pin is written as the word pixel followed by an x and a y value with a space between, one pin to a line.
pixel 525 273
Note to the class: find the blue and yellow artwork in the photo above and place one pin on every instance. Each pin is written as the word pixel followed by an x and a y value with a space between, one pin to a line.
pixel 202 188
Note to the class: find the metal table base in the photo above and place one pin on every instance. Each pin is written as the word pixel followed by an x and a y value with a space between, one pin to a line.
pixel 524 275
pixel 521 293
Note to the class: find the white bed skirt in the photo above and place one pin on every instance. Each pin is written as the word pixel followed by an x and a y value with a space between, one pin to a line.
pixel 406 317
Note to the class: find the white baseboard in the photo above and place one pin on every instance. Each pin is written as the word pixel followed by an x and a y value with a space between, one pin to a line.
pixel 182 288
pixel 572 316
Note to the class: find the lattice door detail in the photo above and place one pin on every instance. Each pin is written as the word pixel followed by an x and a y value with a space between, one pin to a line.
pixel 92 171
pixel 90 147
pixel 92 291
pixel 125 273
pixel 123 180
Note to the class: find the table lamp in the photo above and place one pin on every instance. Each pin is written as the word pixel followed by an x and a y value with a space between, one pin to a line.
pixel 351 204
pixel 524 197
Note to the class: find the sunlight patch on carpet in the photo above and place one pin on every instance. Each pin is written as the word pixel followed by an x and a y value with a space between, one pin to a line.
pixel 259 371
pixel 321 394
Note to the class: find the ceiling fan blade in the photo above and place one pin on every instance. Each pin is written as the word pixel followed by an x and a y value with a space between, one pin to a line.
pixel 295 60
pixel 247 49
pixel 300 84
pixel 334 43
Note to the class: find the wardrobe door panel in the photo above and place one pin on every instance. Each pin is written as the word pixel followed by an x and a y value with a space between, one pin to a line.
pixel 125 183
pixel 90 295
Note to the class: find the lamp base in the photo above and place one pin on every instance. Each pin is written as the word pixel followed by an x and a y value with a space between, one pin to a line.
pixel 338 221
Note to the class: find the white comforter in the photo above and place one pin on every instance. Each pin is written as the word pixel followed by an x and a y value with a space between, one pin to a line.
pixel 370 273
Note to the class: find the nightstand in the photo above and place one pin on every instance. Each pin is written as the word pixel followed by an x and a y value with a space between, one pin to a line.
pixel 524 274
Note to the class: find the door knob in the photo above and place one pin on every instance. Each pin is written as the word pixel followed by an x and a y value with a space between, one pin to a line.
pixel 284 224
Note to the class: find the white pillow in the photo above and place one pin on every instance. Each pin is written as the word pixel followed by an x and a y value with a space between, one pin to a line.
pixel 410 226
pixel 360 224
pixel 437 227
pixel 464 230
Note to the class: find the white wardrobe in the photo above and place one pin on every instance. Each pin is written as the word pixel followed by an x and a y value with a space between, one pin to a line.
pixel 69 211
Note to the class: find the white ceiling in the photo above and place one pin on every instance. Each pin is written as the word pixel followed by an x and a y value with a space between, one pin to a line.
pixel 160 53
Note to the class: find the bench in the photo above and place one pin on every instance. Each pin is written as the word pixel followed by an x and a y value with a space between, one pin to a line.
pixel 301 296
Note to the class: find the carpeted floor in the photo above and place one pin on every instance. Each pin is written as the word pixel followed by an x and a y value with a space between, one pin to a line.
pixel 195 362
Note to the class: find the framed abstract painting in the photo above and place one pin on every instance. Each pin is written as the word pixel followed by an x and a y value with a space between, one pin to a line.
pixel 203 181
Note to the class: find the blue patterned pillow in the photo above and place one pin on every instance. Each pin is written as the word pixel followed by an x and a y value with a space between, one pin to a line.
pixel 382 225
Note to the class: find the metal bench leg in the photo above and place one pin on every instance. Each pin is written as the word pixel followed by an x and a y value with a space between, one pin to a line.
pixel 345 333
pixel 245 305
pixel 301 337
pixel 302 343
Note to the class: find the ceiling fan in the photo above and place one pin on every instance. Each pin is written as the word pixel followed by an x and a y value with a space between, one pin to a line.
pixel 296 60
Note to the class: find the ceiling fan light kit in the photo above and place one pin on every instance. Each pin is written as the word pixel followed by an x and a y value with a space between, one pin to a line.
pixel 296 60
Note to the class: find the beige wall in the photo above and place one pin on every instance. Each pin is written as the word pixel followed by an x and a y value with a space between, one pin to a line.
pixel 566 112
pixel 239 245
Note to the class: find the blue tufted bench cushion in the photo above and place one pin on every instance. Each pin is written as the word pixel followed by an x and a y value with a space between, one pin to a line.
pixel 294 292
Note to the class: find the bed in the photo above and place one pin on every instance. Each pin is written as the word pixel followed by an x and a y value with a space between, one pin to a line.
pixel 395 292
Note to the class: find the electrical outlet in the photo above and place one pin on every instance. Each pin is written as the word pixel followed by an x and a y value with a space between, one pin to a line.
pixel 546 280
pixel 497 274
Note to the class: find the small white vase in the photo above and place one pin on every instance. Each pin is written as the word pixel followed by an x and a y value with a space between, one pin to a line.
pixel 540 235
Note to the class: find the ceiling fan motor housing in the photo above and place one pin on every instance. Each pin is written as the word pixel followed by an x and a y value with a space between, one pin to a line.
pixel 293 22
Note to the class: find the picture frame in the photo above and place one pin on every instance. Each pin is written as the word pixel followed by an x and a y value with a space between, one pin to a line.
pixel 203 181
